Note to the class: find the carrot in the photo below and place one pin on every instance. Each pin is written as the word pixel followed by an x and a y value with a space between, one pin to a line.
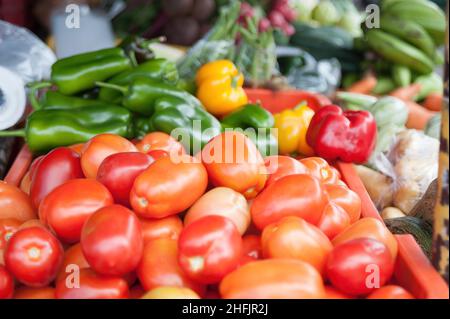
pixel 407 93
pixel 433 102
pixel 418 115
pixel 365 85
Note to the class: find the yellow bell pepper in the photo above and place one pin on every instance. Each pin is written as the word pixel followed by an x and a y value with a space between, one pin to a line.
pixel 219 87
pixel 291 127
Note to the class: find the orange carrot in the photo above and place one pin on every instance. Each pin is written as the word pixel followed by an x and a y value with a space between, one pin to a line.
pixel 365 85
pixel 434 101
pixel 418 115
pixel 407 93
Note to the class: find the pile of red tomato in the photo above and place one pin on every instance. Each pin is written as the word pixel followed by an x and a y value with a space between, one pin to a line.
pixel 116 219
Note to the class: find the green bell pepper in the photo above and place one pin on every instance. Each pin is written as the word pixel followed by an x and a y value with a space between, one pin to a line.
pixel 80 72
pixel 48 129
pixel 158 69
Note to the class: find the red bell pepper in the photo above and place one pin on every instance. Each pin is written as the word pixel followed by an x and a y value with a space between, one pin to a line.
pixel 349 136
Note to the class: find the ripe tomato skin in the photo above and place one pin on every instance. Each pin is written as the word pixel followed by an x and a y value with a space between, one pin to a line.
pixel 14 203
pixel 167 188
pixel 390 292
pixel 273 279
pixel 99 148
pixel 112 241
pixel 159 267
pixel 171 293
pixel 221 201
pixel 334 220
pixel 7 228
pixel 169 227
pixel 33 256
pixel 6 284
pixel 233 161
pixel 159 141
pixel 319 168
pixel 72 256
pixel 294 238
pixel 35 293
pixel 368 227
pixel 67 207
pixel 32 223
pixel 57 167
pixel 345 198
pixel 119 171
pixel 251 246
pixel 280 166
pixel 94 286
pixel 285 198
pixel 348 266
pixel 209 249
pixel 333 293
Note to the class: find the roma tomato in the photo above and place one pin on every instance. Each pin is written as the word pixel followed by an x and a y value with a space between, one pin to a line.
pixel 33 256
pixel 167 188
pixel 32 223
pixel 171 293
pixel 233 161
pixel 281 166
pixel 209 249
pixel 14 203
pixel 7 228
pixel 54 169
pixel 369 228
pixel 273 279
pixel 159 141
pixel 112 241
pixel 119 171
pixel 286 197
pixel 66 209
pixel 334 220
pixel 73 256
pixel 221 201
pixel 35 293
pixel 333 293
pixel 159 267
pixel 99 148
pixel 391 292
pixel 294 238
pixel 169 227
pixel 93 286
pixel 345 198
pixel 6 284
pixel 319 168
pixel 359 266
pixel 251 246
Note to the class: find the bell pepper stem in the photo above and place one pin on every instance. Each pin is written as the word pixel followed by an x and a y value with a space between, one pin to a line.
pixel 14 133
pixel 116 87
pixel 32 96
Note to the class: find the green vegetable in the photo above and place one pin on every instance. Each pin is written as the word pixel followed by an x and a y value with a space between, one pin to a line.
pixel 326 13
pixel 430 83
pixel 53 100
pixel 384 85
pixel 303 9
pixel 402 75
pixel 389 111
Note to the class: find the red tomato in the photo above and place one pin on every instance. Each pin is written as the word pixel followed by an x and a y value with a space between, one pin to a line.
pixel 251 246
pixel 281 166
pixel 14 203
pixel 334 220
pixel 333 293
pixel 368 228
pixel 7 228
pixel 221 201
pixel 169 227
pixel 390 292
pixel 167 188
pixel 273 279
pixel 233 161
pixel 319 168
pixel 73 256
pixel 209 249
pixel 345 198
pixel 294 238
pixel 67 208
pixel 286 197
pixel 159 267
pixel 112 241
pixel 57 167
pixel 32 223
pixel 99 148
pixel 158 141
pixel 35 293
pixel 93 286
pixel 360 266
pixel 33 256
pixel 6 284
pixel 119 171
